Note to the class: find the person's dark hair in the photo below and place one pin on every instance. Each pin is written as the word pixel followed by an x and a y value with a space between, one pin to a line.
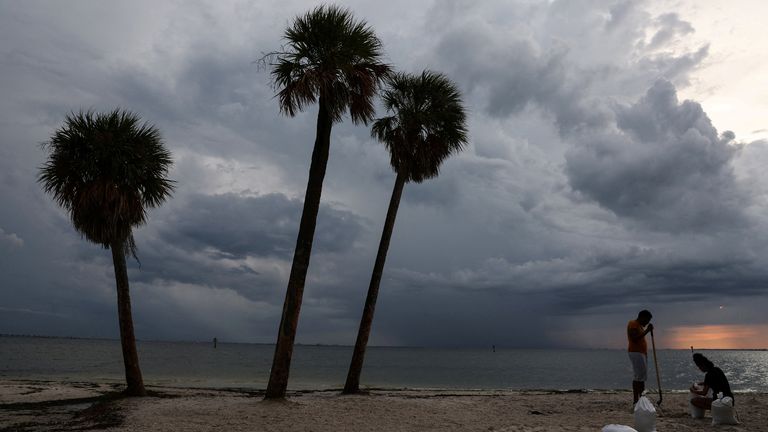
pixel 700 360
pixel 645 313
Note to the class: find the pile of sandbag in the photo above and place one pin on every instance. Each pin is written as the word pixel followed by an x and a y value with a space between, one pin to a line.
pixel 645 416
pixel 645 419
pixel 723 412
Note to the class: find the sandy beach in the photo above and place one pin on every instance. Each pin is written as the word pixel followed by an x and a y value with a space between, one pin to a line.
pixel 48 406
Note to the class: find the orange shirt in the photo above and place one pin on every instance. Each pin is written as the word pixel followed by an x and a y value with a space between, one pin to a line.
pixel 636 329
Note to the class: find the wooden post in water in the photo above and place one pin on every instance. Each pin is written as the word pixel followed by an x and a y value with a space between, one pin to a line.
pixel 215 342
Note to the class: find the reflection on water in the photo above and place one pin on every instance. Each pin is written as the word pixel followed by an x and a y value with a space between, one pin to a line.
pixel 247 365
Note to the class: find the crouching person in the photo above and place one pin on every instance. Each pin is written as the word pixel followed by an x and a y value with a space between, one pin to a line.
pixel 722 403
pixel 714 379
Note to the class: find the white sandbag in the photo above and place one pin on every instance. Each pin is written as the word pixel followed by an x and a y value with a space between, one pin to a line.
pixel 645 416
pixel 618 428
pixel 723 412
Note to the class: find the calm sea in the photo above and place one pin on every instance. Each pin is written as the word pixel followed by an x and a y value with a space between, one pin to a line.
pixel 190 364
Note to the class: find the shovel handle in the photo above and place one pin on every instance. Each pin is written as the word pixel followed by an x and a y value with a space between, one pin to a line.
pixel 656 364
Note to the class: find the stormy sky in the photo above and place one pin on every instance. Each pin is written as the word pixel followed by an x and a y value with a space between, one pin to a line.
pixel 616 162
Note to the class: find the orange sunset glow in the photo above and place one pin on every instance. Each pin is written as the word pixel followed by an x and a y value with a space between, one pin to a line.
pixel 717 337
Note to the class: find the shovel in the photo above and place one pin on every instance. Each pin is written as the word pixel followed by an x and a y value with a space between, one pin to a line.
pixel 656 364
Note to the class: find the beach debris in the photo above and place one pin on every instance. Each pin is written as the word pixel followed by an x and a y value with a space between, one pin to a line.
pixel 645 415
pixel 618 428
pixel 535 412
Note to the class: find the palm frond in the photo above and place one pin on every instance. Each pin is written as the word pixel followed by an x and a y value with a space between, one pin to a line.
pixel 106 170
pixel 332 57
pixel 426 125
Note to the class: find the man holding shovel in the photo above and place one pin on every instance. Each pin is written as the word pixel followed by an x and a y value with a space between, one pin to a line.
pixel 638 351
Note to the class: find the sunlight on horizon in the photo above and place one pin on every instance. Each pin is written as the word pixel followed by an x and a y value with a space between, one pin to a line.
pixel 717 337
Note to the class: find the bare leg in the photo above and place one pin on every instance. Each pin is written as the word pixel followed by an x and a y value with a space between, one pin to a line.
pixel 637 389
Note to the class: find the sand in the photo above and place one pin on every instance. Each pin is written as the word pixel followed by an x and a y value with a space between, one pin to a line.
pixel 48 406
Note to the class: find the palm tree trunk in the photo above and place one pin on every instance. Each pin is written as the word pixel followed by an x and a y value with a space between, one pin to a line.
pixel 356 366
pixel 281 363
pixel 135 384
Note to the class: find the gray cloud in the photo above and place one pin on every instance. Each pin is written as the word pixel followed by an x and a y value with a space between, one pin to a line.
pixel 670 26
pixel 10 239
pixel 593 283
pixel 507 69
pixel 582 196
pixel 619 12
pixel 664 166
pixel 267 225
pixel 511 74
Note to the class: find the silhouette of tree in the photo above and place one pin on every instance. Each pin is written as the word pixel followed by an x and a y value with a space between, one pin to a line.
pixel 334 60
pixel 427 124
pixel 106 170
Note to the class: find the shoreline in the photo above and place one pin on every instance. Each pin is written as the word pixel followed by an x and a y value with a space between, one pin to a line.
pixel 42 405
pixel 395 389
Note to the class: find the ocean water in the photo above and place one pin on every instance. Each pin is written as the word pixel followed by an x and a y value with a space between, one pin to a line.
pixel 189 364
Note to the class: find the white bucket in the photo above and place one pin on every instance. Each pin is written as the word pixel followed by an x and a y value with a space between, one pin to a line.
pixel 696 412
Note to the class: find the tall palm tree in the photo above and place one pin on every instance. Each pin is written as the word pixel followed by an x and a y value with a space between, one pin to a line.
pixel 334 60
pixel 427 124
pixel 106 170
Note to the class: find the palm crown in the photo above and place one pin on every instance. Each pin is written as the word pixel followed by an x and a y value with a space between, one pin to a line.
pixel 427 123
pixel 106 170
pixel 330 56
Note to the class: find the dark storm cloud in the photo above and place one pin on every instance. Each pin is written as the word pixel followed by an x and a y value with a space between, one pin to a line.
pixel 601 280
pixel 164 263
pixel 504 76
pixel 511 74
pixel 582 192
pixel 665 166
pixel 237 226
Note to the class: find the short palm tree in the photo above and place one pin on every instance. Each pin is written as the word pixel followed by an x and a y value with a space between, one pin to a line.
pixel 336 61
pixel 106 170
pixel 427 124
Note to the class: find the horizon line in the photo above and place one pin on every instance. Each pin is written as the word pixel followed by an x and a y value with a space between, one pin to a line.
pixel 498 347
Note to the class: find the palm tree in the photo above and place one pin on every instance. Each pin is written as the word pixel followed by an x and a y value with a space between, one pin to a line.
pixel 427 124
pixel 336 61
pixel 106 170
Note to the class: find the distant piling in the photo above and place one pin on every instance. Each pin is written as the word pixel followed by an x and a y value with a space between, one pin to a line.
pixel 215 342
